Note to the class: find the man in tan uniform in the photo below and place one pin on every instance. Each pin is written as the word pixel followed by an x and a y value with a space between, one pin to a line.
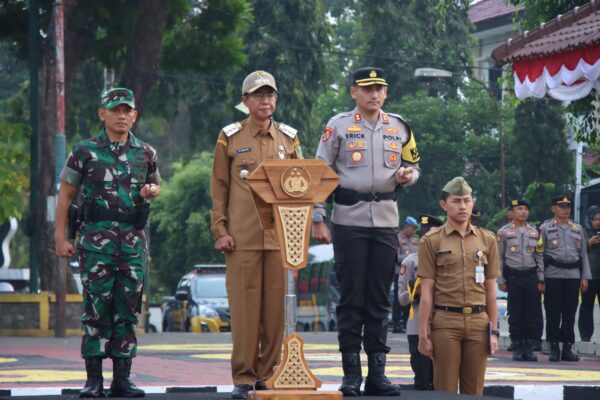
pixel 458 266
pixel 255 276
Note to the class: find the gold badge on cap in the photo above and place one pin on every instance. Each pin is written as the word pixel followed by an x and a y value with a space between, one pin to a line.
pixel 424 220
pixel 515 202
pixel 373 74
pixel 260 73
pixel 566 200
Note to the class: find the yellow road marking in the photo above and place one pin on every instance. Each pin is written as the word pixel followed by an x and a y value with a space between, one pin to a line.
pixel 41 375
pixel 8 359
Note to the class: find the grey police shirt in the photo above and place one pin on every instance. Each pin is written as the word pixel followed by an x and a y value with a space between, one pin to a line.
pixel 406 246
pixel 519 248
pixel 566 243
pixel 408 272
pixel 366 157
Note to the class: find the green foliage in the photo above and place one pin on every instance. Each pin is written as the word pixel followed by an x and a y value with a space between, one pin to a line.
pixel 14 168
pixel 538 11
pixel 180 227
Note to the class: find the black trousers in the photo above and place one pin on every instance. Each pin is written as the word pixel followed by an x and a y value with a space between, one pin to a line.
pixel 561 300
pixel 364 268
pixel 586 311
pixel 524 306
pixel 422 366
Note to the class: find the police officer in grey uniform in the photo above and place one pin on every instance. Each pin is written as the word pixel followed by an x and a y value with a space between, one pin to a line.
pixel 374 153
pixel 409 294
pixel 407 244
pixel 522 276
pixel 566 271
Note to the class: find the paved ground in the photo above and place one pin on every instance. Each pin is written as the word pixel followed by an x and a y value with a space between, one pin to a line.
pixel 46 366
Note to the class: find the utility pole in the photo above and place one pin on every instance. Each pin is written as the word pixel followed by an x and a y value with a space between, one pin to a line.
pixel 34 149
pixel 59 157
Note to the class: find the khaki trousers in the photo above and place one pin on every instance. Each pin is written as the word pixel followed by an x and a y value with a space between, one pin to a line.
pixel 256 290
pixel 460 350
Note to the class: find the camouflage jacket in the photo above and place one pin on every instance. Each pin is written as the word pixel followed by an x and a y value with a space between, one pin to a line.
pixel 112 175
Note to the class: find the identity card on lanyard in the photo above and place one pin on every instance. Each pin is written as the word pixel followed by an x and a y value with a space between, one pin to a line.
pixel 479 275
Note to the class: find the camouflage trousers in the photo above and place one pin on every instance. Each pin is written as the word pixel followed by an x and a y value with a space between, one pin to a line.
pixel 112 292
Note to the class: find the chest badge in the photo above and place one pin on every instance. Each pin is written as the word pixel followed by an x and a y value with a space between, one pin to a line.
pixel 394 146
pixel 361 144
pixel 352 145
pixel 354 128
pixel 393 157
pixel 327 131
pixel 357 156
pixel 392 130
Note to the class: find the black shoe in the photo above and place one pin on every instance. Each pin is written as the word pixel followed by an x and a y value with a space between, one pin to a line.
pixel 121 385
pixel 241 391
pixel 352 375
pixel 554 352
pixel 528 351
pixel 94 384
pixel 517 345
pixel 377 384
pixel 537 345
pixel 567 353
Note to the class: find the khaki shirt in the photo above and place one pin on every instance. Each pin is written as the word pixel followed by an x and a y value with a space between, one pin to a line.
pixel 520 247
pixel 450 260
pixel 565 243
pixel 242 146
pixel 366 157
pixel 408 272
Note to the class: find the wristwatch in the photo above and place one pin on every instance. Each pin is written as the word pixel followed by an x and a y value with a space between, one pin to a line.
pixel 495 332
pixel 317 218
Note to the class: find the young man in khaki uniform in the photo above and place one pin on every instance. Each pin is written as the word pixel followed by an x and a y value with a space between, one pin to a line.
pixel 255 277
pixel 458 267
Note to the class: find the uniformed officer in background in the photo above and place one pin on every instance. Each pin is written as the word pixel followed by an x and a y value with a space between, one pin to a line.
pixel 522 276
pixel 566 271
pixel 407 244
pixel 374 153
pixel 476 216
pixel 590 297
pixel 116 173
pixel 409 295
pixel 255 276
pixel 458 267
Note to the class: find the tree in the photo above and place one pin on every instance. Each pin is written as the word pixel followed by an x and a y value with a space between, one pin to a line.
pixel 180 228
pixel 14 168
pixel 538 11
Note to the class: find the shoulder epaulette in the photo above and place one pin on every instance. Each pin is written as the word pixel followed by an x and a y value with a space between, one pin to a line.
pixel 484 230
pixel 340 115
pixel 547 222
pixel 397 116
pixel 434 230
pixel 232 129
pixel 288 130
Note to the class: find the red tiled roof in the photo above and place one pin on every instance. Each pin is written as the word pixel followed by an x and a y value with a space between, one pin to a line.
pixel 580 27
pixel 489 9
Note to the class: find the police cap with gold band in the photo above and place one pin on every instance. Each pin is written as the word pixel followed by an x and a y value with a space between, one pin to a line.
pixel 457 187
pixel 517 203
pixel 368 76
pixel 427 222
pixel 114 97
pixel 561 200
pixel 257 79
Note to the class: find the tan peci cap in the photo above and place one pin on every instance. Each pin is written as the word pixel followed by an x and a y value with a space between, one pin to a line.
pixel 458 187
pixel 256 80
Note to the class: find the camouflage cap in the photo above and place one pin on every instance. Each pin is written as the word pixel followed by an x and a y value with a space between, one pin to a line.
pixel 256 80
pixel 117 96
pixel 458 187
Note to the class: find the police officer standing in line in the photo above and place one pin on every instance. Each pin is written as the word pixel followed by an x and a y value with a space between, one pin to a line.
pixel 522 276
pixel 458 267
pixel 117 173
pixel 255 276
pixel 409 295
pixel 407 244
pixel 588 299
pixel 374 153
pixel 566 270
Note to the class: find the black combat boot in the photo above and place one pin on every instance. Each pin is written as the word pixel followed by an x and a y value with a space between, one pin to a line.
pixel 377 384
pixel 528 354
pixel 94 384
pixel 554 352
pixel 352 375
pixel 517 350
pixel 567 353
pixel 121 385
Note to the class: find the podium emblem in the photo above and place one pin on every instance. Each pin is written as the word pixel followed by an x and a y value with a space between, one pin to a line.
pixel 295 181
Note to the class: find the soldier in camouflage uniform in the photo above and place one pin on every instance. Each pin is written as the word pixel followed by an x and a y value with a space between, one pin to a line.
pixel 117 174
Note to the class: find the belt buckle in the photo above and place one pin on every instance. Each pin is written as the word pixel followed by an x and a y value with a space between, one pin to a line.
pixel 467 310
pixel 376 197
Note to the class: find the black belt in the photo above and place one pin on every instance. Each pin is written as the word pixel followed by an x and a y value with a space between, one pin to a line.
pixel 102 214
pixel 349 197
pixel 461 310
pixel 561 264
pixel 510 271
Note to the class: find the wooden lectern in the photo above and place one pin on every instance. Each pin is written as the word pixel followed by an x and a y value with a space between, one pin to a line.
pixel 285 190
